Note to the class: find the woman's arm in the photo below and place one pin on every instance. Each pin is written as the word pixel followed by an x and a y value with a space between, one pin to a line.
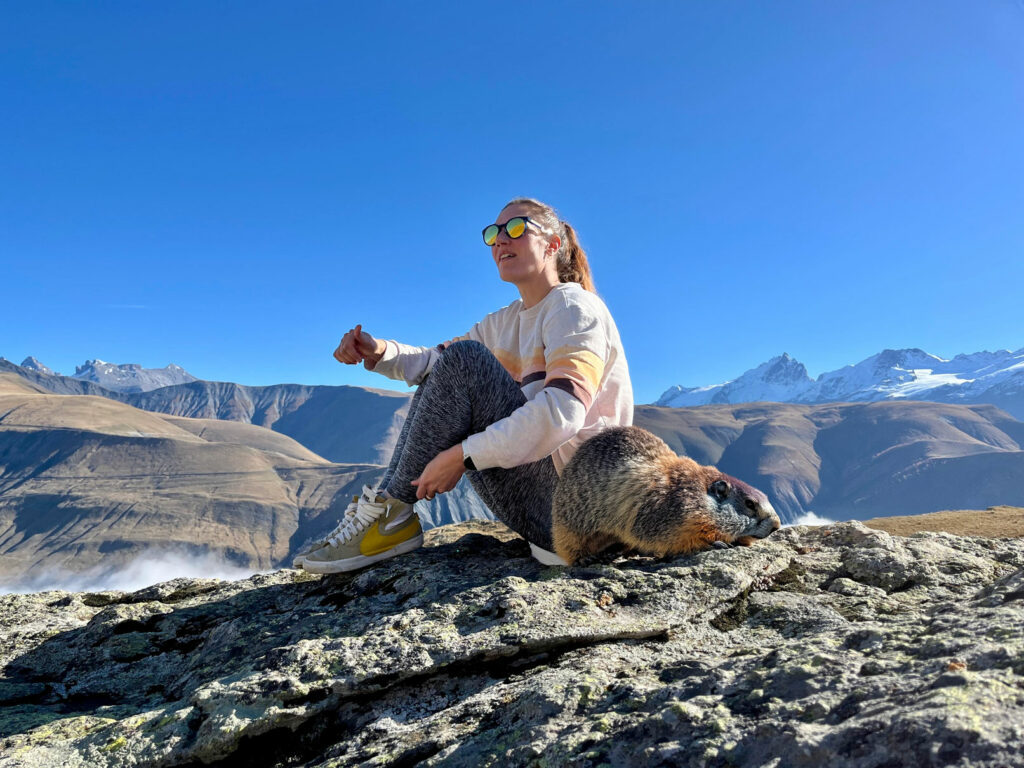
pixel 388 358
pixel 576 350
pixel 411 364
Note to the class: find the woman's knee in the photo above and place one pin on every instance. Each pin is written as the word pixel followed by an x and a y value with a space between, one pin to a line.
pixel 464 355
pixel 465 348
pixel 471 370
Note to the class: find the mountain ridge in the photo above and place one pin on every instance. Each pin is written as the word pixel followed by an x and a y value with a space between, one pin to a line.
pixel 305 413
pixel 131 377
pixel 892 374
pixel 895 455
pixel 125 377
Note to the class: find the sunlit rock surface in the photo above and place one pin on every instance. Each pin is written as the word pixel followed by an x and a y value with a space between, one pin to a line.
pixel 839 646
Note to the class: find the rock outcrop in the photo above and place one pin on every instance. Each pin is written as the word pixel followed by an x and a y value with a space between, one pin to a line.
pixel 839 646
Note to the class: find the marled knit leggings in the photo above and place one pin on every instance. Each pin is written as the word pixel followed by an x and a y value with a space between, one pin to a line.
pixel 466 391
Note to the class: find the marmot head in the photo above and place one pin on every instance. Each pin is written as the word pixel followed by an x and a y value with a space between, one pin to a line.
pixel 739 509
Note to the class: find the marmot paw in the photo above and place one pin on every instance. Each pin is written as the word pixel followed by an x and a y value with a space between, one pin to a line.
pixel 606 556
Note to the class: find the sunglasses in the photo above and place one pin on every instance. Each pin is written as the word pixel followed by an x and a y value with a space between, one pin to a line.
pixel 514 228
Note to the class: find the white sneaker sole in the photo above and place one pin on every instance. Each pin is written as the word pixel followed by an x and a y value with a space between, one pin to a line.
pixel 361 561
pixel 544 556
pixel 298 561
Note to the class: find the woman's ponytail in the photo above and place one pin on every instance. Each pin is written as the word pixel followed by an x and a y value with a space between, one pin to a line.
pixel 573 266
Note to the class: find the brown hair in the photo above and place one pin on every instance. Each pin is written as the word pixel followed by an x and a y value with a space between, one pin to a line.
pixel 573 266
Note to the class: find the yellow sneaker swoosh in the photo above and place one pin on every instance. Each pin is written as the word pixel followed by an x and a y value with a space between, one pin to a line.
pixel 374 542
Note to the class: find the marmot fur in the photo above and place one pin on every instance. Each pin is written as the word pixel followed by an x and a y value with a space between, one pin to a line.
pixel 626 486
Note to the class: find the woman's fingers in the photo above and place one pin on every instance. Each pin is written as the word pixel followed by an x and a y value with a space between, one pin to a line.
pixel 348 350
pixel 441 474
pixel 341 355
pixel 421 489
pixel 357 346
pixel 365 343
pixel 428 491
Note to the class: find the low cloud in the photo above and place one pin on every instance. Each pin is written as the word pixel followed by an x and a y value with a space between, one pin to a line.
pixel 148 568
pixel 809 518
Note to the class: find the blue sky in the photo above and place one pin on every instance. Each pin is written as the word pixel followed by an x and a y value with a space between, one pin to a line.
pixel 231 186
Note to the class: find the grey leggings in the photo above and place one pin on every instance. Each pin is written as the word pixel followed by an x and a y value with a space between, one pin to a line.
pixel 466 391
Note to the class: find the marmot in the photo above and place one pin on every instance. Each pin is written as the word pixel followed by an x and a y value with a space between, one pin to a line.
pixel 626 486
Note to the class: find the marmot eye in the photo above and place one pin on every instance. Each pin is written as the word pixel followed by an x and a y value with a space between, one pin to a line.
pixel 752 505
pixel 719 489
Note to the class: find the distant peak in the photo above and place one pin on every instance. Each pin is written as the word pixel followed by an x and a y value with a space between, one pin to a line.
pixel 782 368
pixel 910 373
pixel 89 365
pixel 899 358
pixel 131 377
pixel 32 364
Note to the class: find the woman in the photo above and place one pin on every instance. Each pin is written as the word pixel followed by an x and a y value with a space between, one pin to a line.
pixel 508 403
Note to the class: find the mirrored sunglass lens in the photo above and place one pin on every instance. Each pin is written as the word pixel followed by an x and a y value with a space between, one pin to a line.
pixel 491 234
pixel 515 227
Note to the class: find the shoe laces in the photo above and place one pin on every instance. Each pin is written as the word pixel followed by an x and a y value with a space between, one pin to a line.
pixel 359 515
pixel 350 511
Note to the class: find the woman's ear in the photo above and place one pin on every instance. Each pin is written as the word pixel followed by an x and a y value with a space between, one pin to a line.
pixel 554 244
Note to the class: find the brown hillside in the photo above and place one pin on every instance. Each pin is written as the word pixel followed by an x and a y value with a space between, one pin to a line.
pixel 994 522
pixel 12 384
pixel 86 480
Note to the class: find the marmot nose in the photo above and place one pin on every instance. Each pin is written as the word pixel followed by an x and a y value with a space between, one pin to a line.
pixel 762 511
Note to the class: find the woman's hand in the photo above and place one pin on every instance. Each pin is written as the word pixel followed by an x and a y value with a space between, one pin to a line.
pixel 357 346
pixel 441 474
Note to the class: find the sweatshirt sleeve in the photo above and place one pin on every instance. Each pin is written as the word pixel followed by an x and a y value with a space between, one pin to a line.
pixel 411 364
pixel 575 352
pixel 407 363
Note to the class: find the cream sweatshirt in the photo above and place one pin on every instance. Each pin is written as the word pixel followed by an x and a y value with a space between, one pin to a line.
pixel 567 357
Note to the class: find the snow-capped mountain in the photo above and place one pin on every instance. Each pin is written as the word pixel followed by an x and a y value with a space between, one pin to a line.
pixel 34 365
pixel 131 377
pixel 782 379
pixel 908 374
pixel 892 373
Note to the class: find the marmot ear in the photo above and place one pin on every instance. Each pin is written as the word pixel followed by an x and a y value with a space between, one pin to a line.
pixel 719 489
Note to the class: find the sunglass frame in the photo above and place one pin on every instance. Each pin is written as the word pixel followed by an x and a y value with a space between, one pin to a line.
pixel 504 226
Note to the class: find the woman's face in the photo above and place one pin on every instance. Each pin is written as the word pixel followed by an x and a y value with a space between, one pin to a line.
pixel 528 257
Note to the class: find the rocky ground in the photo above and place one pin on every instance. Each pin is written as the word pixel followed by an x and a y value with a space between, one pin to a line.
pixel 839 646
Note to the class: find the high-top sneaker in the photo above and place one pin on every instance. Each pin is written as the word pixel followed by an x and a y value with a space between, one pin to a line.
pixel 379 528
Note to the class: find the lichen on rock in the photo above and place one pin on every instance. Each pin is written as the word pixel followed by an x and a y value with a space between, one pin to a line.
pixel 841 645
